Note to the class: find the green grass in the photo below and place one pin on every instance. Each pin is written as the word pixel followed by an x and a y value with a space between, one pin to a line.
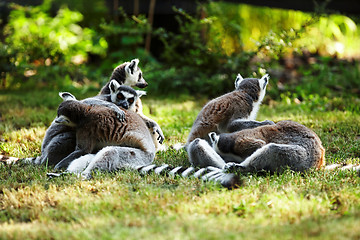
pixel 126 205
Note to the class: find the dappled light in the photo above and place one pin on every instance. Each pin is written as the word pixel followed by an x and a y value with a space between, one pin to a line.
pixel 251 66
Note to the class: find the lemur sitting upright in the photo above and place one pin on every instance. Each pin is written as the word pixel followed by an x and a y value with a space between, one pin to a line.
pixel 270 147
pixel 225 114
pixel 222 113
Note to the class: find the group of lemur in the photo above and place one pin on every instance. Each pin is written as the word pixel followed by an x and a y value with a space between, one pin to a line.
pixel 109 132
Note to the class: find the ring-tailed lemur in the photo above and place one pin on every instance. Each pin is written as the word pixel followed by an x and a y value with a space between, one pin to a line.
pixel 127 98
pixel 127 73
pixel 228 180
pixel 225 114
pixel 222 113
pixel 96 128
pixel 270 147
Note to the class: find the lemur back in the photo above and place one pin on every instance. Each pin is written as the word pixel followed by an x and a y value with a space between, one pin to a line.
pixel 220 114
pixel 97 127
pixel 271 147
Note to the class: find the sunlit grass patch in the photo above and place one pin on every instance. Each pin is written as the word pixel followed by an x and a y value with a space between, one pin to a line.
pixel 125 204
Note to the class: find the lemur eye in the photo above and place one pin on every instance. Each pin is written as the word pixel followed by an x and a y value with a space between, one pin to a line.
pixel 131 100
pixel 140 76
pixel 120 96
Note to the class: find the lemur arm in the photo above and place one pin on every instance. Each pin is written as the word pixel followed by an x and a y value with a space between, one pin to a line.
pixel 154 127
pixel 65 162
pixel 239 124
pixel 120 114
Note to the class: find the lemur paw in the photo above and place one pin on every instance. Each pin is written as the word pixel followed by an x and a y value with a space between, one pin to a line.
pixel 233 167
pixel 161 137
pixel 268 122
pixel 120 114
pixel 86 176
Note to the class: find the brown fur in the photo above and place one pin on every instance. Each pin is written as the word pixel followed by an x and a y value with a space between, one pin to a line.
pixel 247 141
pixel 219 112
pixel 97 127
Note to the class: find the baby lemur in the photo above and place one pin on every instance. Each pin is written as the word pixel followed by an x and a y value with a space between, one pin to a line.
pixel 96 128
pixel 270 147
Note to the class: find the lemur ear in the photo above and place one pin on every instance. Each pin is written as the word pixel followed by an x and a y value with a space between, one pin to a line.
pixel 213 137
pixel 67 96
pixel 238 80
pixel 140 93
pixel 264 81
pixel 114 85
pixel 132 66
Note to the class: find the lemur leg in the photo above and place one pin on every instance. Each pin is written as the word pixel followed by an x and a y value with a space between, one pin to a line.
pixel 64 163
pixel 201 154
pixel 275 158
pixel 202 132
pixel 239 124
pixel 114 157
pixel 57 148
pixel 79 164
pixel 154 129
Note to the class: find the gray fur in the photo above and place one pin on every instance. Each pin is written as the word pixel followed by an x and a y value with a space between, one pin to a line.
pixel 218 114
pixel 224 114
pixel 96 127
pixel 110 158
pixel 202 155
pixel 270 147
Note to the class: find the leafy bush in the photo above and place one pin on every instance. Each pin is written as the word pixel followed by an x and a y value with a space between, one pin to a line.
pixel 125 41
pixel 48 49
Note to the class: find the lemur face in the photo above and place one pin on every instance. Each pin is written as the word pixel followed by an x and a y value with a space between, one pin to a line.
pixel 134 76
pixel 124 96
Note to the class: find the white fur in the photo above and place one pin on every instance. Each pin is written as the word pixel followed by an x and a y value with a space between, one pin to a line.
pixel 79 164
pixel 238 80
pixel 256 105
pixel 67 96
pixel 127 95
pixel 140 93
pixel 201 154
pixel 132 79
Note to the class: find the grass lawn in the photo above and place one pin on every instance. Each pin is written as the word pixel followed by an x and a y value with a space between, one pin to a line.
pixel 125 205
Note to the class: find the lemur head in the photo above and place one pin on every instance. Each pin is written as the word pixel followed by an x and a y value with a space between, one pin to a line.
pixel 253 86
pixel 68 113
pixel 129 74
pixel 214 140
pixel 224 146
pixel 124 96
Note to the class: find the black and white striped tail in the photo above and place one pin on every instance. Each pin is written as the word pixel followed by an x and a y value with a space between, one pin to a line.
pixel 13 160
pixel 228 180
pixel 337 166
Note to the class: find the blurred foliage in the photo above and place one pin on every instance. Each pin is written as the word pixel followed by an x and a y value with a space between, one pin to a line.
pixel 63 43
pixel 46 50
pixel 125 40
pixel 243 27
